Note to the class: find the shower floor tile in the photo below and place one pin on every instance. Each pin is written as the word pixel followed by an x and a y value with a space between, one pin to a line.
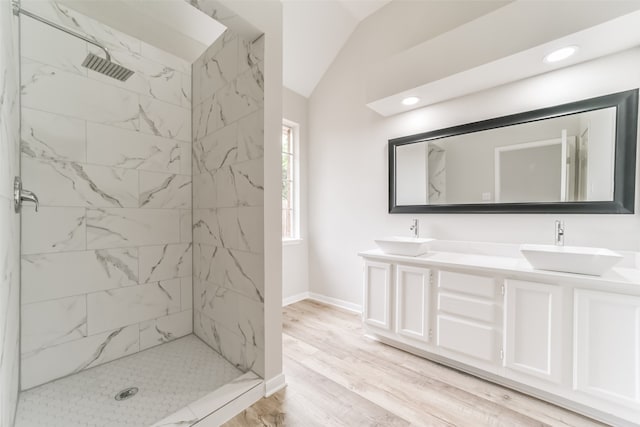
pixel 169 377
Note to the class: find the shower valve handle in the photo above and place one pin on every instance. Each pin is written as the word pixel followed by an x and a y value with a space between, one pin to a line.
pixel 21 195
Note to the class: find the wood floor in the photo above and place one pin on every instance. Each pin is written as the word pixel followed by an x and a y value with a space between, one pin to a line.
pixel 337 377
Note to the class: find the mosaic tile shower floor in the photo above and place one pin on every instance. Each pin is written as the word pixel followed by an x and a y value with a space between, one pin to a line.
pixel 169 377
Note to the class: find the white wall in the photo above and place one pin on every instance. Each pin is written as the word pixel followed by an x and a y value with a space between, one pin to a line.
pixel 295 266
pixel 348 164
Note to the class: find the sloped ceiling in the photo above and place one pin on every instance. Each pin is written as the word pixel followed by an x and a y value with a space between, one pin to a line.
pixel 314 31
pixel 505 45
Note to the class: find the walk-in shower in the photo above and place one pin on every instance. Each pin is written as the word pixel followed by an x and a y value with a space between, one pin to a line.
pixel 141 274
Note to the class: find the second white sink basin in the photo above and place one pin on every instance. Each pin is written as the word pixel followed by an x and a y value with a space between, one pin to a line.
pixel 409 246
pixel 570 259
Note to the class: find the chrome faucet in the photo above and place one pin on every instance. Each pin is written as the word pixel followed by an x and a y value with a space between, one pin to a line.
pixel 415 228
pixel 559 238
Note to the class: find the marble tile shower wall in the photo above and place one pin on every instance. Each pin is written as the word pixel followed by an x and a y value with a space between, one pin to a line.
pixel 106 262
pixel 228 219
pixel 9 221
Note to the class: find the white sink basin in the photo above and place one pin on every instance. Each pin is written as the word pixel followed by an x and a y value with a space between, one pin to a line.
pixel 409 246
pixel 570 259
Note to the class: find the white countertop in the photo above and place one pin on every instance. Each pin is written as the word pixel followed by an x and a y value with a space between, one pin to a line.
pixel 620 279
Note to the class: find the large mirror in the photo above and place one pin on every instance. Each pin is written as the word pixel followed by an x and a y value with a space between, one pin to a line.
pixel 571 158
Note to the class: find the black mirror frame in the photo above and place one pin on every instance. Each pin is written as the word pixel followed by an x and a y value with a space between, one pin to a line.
pixel 624 164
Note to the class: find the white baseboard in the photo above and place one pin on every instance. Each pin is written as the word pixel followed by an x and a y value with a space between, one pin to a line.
pixel 356 308
pixel 274 385
pixel 295 298
pixel 346 305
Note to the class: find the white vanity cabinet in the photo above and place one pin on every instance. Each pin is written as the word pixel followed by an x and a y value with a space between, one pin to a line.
pixel 397 301
pixel 377 294
pixel 607 349
pixel 413 301
pixel 468 319
pixel 569 339
pixel 534 328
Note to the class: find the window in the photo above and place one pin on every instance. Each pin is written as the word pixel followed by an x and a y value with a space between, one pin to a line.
pixel 290 209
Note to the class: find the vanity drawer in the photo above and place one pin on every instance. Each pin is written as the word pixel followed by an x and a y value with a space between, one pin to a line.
pixel 470 307
pixel 480 286
pixel 467 338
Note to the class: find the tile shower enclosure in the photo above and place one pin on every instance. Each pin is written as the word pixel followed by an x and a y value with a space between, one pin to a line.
pixel 107 261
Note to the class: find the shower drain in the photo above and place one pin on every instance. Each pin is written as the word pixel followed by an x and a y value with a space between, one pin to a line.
pixel 126 393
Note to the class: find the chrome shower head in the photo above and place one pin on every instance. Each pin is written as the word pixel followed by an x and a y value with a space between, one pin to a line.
pixel 106 67
pixel 92 62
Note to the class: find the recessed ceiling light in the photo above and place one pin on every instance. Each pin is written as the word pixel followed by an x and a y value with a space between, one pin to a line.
pixel 560 54
pixel 410 100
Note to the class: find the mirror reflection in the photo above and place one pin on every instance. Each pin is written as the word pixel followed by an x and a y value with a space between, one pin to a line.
pixel 562 159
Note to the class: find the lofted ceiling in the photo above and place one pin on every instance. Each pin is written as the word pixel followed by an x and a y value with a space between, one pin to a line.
pixel 500 47
pixel 314 31
pixel 502 40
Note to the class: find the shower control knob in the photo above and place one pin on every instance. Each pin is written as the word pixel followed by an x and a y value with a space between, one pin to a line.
pixel 21 195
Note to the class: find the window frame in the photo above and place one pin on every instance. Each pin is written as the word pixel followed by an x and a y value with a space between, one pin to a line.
pixel 295 182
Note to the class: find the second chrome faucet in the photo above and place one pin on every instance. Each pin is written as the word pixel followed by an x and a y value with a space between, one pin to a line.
pixel 559 233
pixel 415 227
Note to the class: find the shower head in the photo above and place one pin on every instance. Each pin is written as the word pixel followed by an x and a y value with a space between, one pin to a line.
pixel 106 67
pixel 92 62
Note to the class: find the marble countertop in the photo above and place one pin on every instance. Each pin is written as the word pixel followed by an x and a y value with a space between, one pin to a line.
pixel 618 279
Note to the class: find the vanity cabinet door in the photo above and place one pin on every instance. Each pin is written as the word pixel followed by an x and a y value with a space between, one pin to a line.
pixel 377 294
pixel 533 330
pixel 413 288
pixel 607 347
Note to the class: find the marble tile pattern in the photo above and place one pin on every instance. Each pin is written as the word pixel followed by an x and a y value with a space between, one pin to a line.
pixel 9 221
pixel 437 174
pixel 107 260
pixel 228 195
pixel 178 384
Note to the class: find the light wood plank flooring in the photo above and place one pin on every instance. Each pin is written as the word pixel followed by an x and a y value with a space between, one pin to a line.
pixel 338 377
